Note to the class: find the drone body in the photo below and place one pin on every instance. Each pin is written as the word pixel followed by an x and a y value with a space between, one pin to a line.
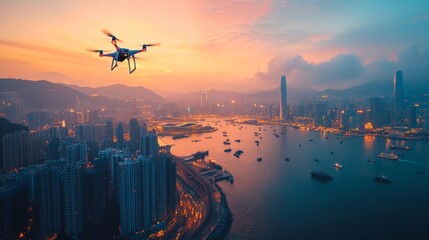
pixel 122 53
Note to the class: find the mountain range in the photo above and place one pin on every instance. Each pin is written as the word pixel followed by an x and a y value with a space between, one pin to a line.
pixel 47 95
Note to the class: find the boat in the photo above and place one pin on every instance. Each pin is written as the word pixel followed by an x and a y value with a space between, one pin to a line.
pixel 259 159
pixel 382 179
pixel 391 156
pixel 287 159
pixel 371 160
pixel 196 140
pixel 332 153
pixel 338 165
pixel 300 145
pixel 310 140
pixel 341 142
pixel 316 160
pixel 227 142
pixel 238 140
pixel 227 150
pixel 275 134
pixel 236 155
pixel 256 141
pixel 399 147
pixel 239 152
pixel 321 176
pixel 179 136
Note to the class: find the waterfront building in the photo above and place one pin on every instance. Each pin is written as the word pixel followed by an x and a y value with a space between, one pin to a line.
pixel 378 116
pixel 398 100
pixel 283 99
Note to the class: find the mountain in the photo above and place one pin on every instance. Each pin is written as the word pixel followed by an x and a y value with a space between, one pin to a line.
pixel 376 89
pixel 121 91
pixel 266 96
pixel 47 95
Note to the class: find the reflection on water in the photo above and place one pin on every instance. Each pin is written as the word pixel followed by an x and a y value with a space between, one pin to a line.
pixel 277 199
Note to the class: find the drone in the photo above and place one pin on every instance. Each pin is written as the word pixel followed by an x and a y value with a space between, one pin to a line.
pixel 122 53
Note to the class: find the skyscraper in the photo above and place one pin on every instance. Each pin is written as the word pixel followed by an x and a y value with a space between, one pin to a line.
pixel 377 114
pixel 120 135
pixel 398 101
pixel 134 197
pixel 134 134
pixel 108 133
pixel 283 99
pixel 203 98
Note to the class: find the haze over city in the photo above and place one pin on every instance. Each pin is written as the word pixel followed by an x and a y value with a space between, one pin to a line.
pixel 228 45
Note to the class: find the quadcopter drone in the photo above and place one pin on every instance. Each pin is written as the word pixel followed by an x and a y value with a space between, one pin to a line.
pixel 122 53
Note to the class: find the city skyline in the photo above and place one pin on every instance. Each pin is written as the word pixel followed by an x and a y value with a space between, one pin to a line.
pixel 244 53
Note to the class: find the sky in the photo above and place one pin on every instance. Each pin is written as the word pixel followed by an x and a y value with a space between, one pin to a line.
pixel 235 45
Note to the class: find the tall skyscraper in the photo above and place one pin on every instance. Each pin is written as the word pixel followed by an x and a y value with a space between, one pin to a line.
pixel 108 133
pixel 134 134
pixel 398 101
pixel 283 99
pixel 203 102
pixel 120 135
pixel 73 209
pixel 149 145
pixel 134 195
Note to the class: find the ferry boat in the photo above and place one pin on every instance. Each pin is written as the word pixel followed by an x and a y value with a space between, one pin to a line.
pixel 321 176
pixel 382 179
pixel 391 156
pixel 399 147
pixel 338 165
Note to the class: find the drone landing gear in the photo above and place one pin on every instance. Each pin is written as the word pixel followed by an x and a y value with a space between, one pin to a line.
pixel 114 64
pixel 129 65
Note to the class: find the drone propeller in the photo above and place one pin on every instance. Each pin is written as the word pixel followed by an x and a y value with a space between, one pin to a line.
pixel 97 51
pixel 150 45
pixel 109 34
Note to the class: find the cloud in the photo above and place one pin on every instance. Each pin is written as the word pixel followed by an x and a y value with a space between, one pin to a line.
pixel 345 70
pixel 342 68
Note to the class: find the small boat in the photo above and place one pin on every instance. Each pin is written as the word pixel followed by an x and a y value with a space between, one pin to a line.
pixel 382 179
pixel 310 140
pixel 316 160
pixel 210 137
pixel 419 173
pixel 399 147
pixel 287 159
pixel 227 150
pixel 236 155
pixel 238 140
pixel 227 143
pixel 332 153
pixel 259 159
pixel 341 142
pixel 321 176
pixel 338 165
pixel 391 156
pixel 300 145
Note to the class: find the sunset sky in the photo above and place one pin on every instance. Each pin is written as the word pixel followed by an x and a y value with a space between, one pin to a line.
pixel 237 45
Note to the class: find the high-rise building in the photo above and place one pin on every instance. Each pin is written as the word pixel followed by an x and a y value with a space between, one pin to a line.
pixel 283 99
pixel 377 115
pixel 73 207
pixel 48 198
pixel 203 102
pixel 22 149
pixel 134 134
pixel 120 135
pixel 412 117
pixel 134 197
pixel 108 133
pixel 398 101
pixel 149 145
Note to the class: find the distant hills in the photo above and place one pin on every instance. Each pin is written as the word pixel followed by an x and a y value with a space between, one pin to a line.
pixel 47 95
pixel 121 91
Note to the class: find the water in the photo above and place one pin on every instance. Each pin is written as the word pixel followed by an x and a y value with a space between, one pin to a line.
pixel 276 199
